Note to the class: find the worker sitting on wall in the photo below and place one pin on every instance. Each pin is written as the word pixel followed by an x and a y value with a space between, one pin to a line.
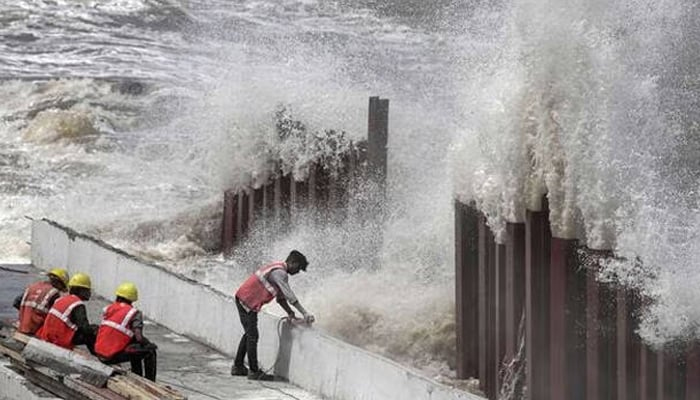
pixel 38 299
pixel 120 337
pixel 268 282
pixel 67 324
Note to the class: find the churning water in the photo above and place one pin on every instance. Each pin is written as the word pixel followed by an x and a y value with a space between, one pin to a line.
pixel 596 104
pixel 127 119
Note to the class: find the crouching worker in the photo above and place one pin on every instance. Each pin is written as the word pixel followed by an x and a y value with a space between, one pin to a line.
pixel 38 299
pixel 120 337
pixel 267 283
pixel 67 323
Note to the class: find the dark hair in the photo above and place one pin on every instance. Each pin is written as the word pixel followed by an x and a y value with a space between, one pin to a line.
pixel 297 258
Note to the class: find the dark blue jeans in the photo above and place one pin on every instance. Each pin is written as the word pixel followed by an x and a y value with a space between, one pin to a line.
pixel 249 342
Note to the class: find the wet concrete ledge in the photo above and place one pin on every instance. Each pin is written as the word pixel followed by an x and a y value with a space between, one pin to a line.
pixel 308 358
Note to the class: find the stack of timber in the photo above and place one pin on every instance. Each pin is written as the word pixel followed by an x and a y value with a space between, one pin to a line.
pixel 72 375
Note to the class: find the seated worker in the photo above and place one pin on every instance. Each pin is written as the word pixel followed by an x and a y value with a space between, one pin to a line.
pixel 37 300
pixel 120 337
pixel 265 284
pixel 67 324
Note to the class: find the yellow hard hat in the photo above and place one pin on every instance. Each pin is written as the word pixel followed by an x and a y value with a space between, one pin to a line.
pixel 128 291
pixel 60 273
pixel 80 280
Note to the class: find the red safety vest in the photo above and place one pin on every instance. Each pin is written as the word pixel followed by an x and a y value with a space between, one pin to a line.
pixel 257 290
pixel 58 328
pixel 115 330
pixel 34 307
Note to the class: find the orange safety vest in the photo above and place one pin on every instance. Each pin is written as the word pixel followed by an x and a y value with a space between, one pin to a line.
pixel 115 330
pixel 58 328
pixel 257 290
pixel 34 306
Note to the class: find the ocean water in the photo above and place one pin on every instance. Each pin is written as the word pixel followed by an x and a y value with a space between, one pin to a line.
pixel 128 119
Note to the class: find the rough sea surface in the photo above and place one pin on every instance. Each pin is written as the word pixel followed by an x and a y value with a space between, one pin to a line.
pixel 128 119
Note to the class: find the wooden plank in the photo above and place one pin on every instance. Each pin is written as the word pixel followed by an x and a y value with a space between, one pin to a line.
pixel 90 391
pixel 163 390
pixel 12 349
pixel 129 390
pixel 52 385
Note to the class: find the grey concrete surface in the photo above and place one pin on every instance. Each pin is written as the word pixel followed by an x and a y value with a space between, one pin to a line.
pixel 190 367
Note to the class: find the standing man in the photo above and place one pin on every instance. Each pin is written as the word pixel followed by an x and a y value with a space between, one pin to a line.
pixel 120 337
pixel 67 324
pixel 38 299
pixel 267 283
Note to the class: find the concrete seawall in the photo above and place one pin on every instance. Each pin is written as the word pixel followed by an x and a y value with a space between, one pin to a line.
pixel 308 358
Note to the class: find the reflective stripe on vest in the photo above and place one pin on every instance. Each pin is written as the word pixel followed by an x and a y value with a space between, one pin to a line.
pixel 262 276
pixel 34 306
pixel 115 332
pixel 257 290
pixel 65 316
pixel 58 328
pixel 122 327
pixel 39 296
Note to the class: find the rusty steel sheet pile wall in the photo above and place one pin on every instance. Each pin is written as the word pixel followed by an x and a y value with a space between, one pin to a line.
pixel 324 188
pixel 579 334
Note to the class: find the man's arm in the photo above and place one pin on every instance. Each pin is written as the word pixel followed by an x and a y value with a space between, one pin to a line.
pixel 283 303
pixel 18 301
pixel 281 279
pixel 79 317
pixel 137 328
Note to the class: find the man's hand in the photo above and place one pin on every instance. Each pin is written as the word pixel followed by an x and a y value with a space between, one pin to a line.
pixel 309 319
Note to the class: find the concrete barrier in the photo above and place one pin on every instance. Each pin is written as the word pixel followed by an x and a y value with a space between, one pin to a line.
pixel 307 357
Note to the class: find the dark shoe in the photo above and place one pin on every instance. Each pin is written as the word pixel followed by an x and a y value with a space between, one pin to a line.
pixel 260 376
pixel 239 371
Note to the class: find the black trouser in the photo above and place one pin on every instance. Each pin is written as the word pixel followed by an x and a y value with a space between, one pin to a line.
pixel 249 341
pixel 87 337
pixel 136 354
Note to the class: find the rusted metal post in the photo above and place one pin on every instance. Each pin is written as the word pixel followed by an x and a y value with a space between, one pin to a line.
pixel 537 253
pixel 674 374
pixel 649 374
pixel 378 138
pixel 514 285
pixel 244 213
pixel 312 183
pixel 321 195
pixel 491 311
pixel 660 375
pixel 228 231
pixel 628 379
pixel 277 199
pixel 257 204
pixel 467 289
pixel 567 319
pixel 692 374
pixel 483 303
pixel 500 314
pixel 269 193
pixel 285 201
pixel 592 335
pixel 300 194
pixel 607 342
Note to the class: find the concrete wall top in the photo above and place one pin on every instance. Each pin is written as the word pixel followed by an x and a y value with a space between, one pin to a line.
pixel 307 357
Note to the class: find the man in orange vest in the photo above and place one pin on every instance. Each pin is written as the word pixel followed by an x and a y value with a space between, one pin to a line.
pixel 67 324
pixel 120 337
pixel 37 300
pixel 267 283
